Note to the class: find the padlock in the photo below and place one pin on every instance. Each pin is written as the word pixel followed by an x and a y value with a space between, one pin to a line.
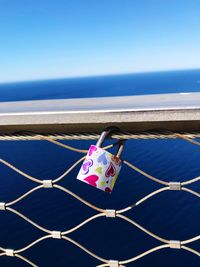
pixel 101 168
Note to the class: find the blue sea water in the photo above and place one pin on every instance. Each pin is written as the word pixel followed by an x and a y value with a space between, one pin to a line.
pixel 100 86
pixel 171 214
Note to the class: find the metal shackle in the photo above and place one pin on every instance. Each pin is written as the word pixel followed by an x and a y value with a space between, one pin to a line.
pixel 105 134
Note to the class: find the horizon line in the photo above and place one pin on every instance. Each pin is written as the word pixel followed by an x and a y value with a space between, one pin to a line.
pixel 96 75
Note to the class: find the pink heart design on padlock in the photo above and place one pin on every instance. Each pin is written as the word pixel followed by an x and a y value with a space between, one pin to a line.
pixel 92 179
pixel 91 150
pixel 86 166
pixel 111 171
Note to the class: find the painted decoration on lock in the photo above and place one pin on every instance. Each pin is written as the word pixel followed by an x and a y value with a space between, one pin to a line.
pixel 100 169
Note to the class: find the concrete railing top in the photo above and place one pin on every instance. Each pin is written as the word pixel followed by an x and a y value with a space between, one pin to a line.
pixel 164 111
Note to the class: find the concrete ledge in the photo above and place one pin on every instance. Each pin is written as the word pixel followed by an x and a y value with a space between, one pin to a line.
pixel 130 113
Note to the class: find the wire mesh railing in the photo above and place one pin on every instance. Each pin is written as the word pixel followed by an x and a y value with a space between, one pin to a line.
pixel 113 214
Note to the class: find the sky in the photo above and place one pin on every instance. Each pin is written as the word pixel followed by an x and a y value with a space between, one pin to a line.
pixel 42 39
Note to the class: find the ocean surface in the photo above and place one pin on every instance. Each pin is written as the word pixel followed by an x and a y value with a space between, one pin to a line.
pixel 171 214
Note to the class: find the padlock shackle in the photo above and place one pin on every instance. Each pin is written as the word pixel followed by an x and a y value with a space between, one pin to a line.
pixel 104 134
pixel 120 149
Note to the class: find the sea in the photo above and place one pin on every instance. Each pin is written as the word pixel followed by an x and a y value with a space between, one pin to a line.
pixel 173 215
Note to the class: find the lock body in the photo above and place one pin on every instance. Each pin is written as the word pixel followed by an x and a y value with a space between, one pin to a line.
pixel 100 169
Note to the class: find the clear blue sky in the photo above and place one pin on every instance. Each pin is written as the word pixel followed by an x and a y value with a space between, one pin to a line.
pixel 63 38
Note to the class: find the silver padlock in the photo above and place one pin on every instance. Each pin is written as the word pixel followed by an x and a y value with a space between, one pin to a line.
pixel 101 168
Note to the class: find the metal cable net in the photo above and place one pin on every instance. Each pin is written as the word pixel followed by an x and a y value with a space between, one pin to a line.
pixel 108 213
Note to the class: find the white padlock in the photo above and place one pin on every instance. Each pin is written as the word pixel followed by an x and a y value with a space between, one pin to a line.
pixel 101 168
